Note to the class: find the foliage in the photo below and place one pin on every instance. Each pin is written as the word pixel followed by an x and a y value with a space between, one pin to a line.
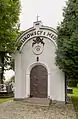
pixel 5 99
pixel 72 83
pixel 74 98
pixel 9 16
pixel 75 92
pixel 9 30
pixel 67 41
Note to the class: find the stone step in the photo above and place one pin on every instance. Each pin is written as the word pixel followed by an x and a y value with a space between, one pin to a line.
pixel 38 101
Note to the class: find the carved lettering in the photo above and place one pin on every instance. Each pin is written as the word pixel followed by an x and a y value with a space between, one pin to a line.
pixel 31 34
pixel 44 33
pixel 35 33
pixel 28 35
pixel 54 38
pixel 39 33
pixel 24 39
pixel 49 34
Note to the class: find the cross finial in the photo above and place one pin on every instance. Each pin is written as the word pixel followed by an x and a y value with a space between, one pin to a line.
pixel 37 17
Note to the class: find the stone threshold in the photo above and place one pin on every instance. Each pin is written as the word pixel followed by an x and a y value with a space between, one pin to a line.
pixel 39 101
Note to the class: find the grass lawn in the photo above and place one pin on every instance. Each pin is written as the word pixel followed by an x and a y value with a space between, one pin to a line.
pixel 5 99
pixel 74 98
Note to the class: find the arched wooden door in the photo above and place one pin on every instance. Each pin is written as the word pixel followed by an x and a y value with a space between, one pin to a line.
pixel 38 82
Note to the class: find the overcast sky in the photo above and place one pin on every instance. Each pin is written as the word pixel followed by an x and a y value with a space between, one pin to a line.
pixel 49 12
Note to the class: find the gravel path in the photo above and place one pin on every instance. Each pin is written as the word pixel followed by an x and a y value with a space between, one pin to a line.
pixel 21 110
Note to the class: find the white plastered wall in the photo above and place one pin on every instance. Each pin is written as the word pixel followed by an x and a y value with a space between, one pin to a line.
pixel 24 63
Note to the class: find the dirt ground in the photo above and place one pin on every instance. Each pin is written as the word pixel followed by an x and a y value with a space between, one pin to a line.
pixel 22 110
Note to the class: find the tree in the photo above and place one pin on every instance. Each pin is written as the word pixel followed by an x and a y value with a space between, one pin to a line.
pixel 67 41
pixel 9 18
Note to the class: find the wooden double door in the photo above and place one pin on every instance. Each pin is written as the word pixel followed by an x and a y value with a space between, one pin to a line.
pixel 38 82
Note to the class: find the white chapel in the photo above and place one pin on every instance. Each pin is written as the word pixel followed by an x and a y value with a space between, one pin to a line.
pixel 36 73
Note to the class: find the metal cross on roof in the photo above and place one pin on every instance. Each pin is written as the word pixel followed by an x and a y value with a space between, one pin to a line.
pixel 37 18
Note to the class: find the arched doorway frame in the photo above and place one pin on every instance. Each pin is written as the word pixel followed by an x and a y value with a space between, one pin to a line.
pixel 28 78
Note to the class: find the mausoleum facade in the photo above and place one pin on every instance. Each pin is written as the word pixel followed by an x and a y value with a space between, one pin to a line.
pixel 36 73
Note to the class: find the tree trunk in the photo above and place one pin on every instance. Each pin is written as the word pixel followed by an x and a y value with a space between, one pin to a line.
pixel 2 72
pixel 65 88
pixel 2 67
